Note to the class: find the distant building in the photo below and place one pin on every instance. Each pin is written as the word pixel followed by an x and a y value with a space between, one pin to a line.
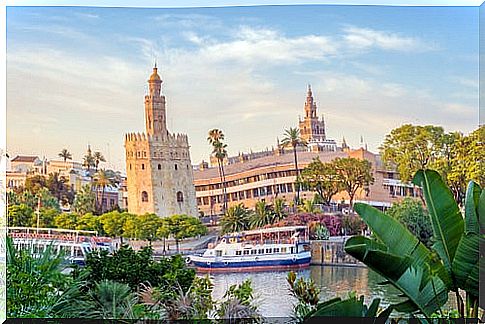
pixel 28 164
pixel 158 167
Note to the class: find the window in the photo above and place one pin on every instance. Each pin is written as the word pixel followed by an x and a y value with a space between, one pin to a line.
pixel 276 250
pixel 238 252
pixel 176 167
pixel 246 252
pixel 260 251
pixel 130 166
pixel 111 202
pixel 253 251
pixel 218 253
pixel 159 167
pixel 283 250
pixel 268 250
pixel 180 196
pixel 144 196
pixel 143 166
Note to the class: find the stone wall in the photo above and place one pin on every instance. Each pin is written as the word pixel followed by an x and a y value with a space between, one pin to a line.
pixel 331 252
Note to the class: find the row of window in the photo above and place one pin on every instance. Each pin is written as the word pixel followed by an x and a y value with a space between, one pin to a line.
pixel 159 166
pixel 248 194
pixel 252 179
pixel 265 251
pixel 161 154
pixel 400 191
pixel 144 196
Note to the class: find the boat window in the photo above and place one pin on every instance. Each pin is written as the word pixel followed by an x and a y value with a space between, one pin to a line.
pixel 238 252
pixel 260 251
pixel 276 250
pixel 268 250
pixel 246 252
pixel 283 250
pixel 253 251
pixel 218 253
pixel 291 249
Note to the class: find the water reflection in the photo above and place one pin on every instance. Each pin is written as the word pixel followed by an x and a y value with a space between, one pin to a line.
pixel 275 300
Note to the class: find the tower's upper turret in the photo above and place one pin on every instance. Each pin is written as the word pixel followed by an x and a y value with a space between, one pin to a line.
pixel 310 106
pixel 155 105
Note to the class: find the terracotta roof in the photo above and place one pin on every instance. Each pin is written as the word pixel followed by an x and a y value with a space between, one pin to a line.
pixel 24 158
pixel 268 161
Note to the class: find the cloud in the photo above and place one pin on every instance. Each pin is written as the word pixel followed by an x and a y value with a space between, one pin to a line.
pixel 365 38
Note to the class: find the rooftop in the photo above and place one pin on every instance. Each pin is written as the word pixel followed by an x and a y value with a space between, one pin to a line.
pixel 24 158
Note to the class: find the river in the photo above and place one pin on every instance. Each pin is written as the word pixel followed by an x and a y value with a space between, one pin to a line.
pixel 274 299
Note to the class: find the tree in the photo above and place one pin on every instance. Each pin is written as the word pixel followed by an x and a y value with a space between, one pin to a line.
pixel 102 179
pixel 466 162
pixel 35 183
pixel 412 214
pixel 19 215
pixel 236 219
pixel 215 138
pixel 98 157
pixel 184 226
pixel 322 178
pixel 279 206
pixel 292 139
pixel 309 207
pixel 411 148
pixel 354 174
pixel 65 155
pixel 262 215
pixel 66 221
pixel 59 188
pixel 89 222
pixel 113 223
pixel 149 225
pixel 46 217
pixel 84 202
pixel 424 276
pixel 238 304
pixel 89 160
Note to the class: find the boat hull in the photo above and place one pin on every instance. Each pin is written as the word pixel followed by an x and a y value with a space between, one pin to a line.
pixel 250 265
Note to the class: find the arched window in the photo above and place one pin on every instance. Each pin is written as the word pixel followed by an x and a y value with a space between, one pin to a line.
pixel 144 196
pixel 176 167
pixel 180 196
pixel 159 167
pixel 130 166
pixel 143 166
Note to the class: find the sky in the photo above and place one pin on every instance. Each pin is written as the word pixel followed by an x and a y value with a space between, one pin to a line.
pixel 77 75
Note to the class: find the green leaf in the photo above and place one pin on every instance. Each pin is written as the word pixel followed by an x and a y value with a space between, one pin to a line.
pixel 405 307
pixel 373 308
pixel 427 293
pixel 348 307
pixel 445 215
pixel 471 208
pixel 466 263
pixel 481 211
pixel 398 240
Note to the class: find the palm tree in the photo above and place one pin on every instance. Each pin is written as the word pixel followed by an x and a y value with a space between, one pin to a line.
pixel 263 215
pixel 88 161
pixel 103 179
pixel 215 138
pixel 65 155
pixel 236 219
pixel 309 207
pixel 279 209
pixel 292 138
pixel 98 157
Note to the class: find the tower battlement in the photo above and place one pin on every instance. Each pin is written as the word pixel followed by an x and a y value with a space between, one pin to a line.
pixel 175 139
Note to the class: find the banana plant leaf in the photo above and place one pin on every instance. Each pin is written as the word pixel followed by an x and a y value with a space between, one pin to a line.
pixel 466 263
pixel 446 218
pixel 425 292
pixel 350 307
pixel 398 240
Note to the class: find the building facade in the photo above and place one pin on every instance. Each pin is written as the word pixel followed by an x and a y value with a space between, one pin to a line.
pixel 158 168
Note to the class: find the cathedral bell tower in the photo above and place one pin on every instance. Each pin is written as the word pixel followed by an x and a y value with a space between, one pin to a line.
pixel 312 129
pixel 155 114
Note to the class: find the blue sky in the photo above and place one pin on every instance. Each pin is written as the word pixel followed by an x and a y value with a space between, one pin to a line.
pixel 78 75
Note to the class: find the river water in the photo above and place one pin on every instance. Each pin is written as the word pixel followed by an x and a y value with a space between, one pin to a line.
pixel 274 299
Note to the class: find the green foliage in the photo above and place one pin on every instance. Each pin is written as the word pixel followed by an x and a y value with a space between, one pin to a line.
pixel 322 178
pixel 113 222
pixel 35 284
pixel 85 201
pixel 183 226
pixel 309 207
pixel 59 188
pixel 19 215
pixel 411 148
pixel 350 307
pixel 236 219
pixel 134 268
pixel 279 209
pixel 306 294
pixel 412 214
pixel 352 225
pixel 66 221
pixel 263 215
pixel 90 222
pixel 238 303
pixel 322 232
pixel 354 174
pixel 46 219
pixel 425 277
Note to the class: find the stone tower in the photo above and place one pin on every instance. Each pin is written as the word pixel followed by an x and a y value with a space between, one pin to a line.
pixel 312 129
pixel 158 168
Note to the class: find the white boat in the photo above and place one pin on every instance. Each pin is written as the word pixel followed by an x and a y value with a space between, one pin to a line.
pixel 262 249
pixel 76 244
